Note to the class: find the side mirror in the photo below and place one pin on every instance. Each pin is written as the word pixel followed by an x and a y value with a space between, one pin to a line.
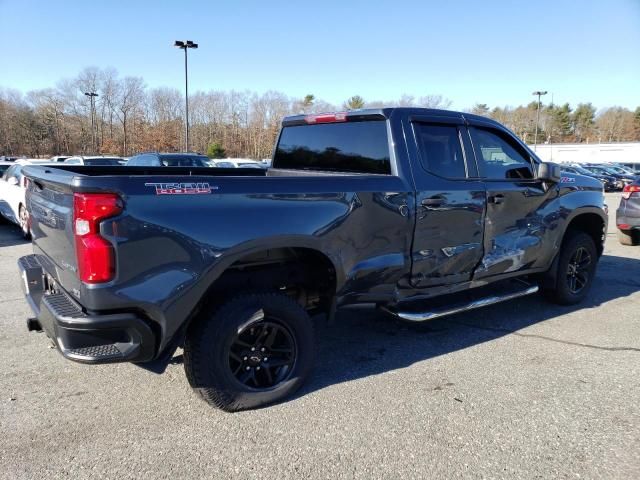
pixel 12 181
pixel 549 172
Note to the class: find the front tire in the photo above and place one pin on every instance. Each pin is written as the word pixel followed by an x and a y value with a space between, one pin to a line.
pixel 255 350
pixel 575 270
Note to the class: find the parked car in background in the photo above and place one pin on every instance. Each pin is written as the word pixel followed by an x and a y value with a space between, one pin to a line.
pixel 59 158
pixel 7 158
pixel 621 180
pixel 12 194
pixel 95 160
pixel 608 182
pixel 622 170
pixel 154 159
pixel 628 215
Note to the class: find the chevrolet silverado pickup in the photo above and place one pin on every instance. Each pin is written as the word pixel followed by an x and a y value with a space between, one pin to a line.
pixel 420 212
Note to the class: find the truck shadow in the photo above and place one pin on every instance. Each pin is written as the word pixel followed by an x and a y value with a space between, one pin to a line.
pixel 10 234
pixel 365 342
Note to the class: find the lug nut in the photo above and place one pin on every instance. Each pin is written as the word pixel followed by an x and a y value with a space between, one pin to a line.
pixel 257 368
pixel 265 359
pixel 253 349
pixel 262 349
pixel 248 368
pixel 245 358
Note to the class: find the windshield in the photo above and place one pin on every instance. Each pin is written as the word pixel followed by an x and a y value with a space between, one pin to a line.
pixel 582 171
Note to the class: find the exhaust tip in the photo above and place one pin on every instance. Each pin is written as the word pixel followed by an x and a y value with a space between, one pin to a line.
pixel 33 325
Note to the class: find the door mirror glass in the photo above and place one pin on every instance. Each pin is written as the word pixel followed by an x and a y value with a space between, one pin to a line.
pixel 549 172
pixel 12 181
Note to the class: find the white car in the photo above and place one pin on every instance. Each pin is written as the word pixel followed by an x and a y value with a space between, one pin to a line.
pixel 95 160
pixel 237 163
pixel 13 186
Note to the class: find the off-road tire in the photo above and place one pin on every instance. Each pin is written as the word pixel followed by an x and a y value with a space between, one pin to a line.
pixel 562 293
pixel 209 340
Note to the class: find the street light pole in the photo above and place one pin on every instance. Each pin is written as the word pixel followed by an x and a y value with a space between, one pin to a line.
pixel 92 96
pixel 184 46
pixel 539 93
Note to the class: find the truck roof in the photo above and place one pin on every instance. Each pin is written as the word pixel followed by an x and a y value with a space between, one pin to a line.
pixel 386 113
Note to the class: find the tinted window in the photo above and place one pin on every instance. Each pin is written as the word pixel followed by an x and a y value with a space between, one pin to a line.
pixel 498 157
pixel 101 161
pixel 440 150
pixel 4 168
pixel 182 161
pixel 360 147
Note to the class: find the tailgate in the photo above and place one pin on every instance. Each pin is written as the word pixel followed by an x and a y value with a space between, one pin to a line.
pixel 50 204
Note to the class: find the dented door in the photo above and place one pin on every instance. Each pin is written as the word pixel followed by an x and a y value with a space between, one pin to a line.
pixel 451 201
pixel 519 209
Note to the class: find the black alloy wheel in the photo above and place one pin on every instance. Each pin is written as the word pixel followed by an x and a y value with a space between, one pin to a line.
pixel 578 270
pixel 263 354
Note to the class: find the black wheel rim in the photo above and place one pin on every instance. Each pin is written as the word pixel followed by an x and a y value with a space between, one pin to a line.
pixel 578 270
pixel 263 354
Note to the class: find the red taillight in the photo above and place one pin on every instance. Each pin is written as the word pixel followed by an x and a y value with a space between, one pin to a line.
pixel 95 256
pixel 327 118
pixel 629 190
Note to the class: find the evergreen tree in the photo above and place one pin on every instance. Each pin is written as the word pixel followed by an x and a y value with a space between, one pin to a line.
pixel 215 150
pixel 354 103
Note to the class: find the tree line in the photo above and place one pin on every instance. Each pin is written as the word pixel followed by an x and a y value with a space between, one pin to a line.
pixel 128 117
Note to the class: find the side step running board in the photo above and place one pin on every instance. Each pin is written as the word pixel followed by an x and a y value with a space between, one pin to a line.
pixel 444 311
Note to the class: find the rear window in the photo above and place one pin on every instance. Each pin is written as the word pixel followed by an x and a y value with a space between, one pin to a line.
pixel 183 161
pixel 359 147
pixel 101 161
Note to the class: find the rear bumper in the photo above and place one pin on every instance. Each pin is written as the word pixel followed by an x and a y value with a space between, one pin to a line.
pixel 83 337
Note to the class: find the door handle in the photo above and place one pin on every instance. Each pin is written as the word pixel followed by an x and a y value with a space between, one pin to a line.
pixel 497 199
pixel 432 202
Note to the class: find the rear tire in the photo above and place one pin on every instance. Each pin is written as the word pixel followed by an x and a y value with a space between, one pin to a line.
pixel 575 270
pixel 627 238
pixel 255 350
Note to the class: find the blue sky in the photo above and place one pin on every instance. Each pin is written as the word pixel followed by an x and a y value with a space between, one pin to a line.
pixel 494 52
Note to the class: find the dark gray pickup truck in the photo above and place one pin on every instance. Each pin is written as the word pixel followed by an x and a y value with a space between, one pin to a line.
pixel 422 213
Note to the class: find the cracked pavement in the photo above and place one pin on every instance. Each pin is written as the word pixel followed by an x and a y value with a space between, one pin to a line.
pixel 523 389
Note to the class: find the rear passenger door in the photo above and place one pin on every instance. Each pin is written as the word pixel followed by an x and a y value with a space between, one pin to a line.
pixel 450 206
pixel 518 211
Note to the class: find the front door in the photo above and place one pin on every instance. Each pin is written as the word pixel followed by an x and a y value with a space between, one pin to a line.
pixel 448 237
pixel 519 209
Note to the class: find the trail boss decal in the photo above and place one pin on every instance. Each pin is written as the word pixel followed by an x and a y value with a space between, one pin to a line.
pixel 567 180
pixel 181 188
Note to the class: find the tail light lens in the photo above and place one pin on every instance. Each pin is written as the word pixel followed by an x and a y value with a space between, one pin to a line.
pixel 96 260
pixel 629 190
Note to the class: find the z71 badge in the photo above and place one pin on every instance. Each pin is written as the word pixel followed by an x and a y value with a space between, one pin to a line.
pixel 181 188
pixel 567 180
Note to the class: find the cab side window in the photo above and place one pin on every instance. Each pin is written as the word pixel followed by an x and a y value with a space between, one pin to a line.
pixel 499 157
pixel 440 149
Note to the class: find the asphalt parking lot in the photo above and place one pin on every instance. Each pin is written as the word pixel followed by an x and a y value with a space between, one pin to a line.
pixel 524 389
